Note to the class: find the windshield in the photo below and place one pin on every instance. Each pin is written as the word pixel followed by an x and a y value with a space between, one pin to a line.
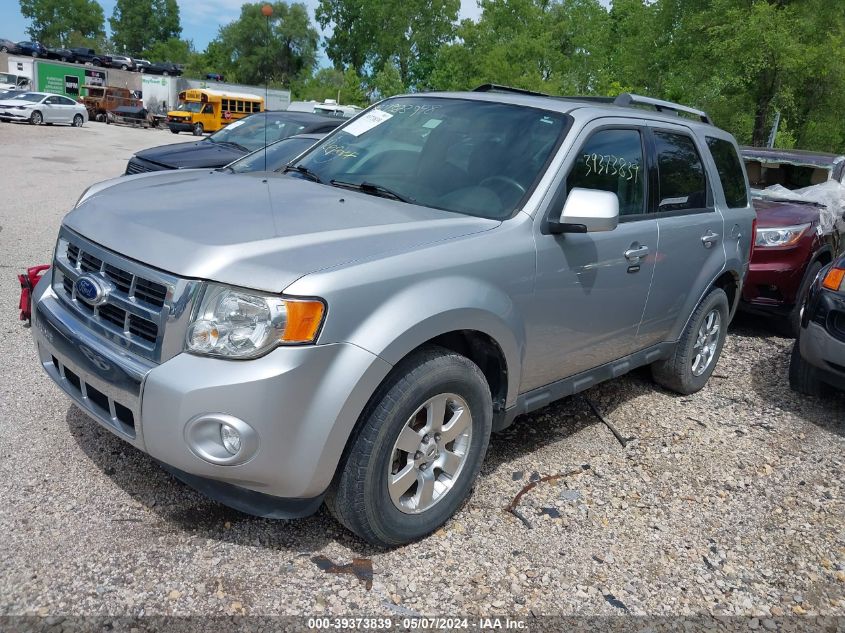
pixel 464 156
pixel 6 78
pixel 33 97
pixel 278 155
pixel 250 133
pixel 189 106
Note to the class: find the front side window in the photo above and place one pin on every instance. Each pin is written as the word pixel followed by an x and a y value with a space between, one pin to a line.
pixel 730 171
pixel 682 184
pixel 474 157
pixel 612 160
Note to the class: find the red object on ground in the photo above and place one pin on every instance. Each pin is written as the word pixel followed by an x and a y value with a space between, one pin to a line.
pixel 28 281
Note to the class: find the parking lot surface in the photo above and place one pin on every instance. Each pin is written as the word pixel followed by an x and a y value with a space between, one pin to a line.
pixel 730 501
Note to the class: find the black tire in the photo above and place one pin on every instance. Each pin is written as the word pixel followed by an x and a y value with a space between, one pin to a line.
pixel 174 131
pixel 124 67
pixel 35 53
pixel 804 377
pixel 165 73
pixel 198 129
pixel 676 372
pixel 78 120
pixel 36 118
pixel 359 498
pixel 793 322
pixel 3 49
pixel 141 70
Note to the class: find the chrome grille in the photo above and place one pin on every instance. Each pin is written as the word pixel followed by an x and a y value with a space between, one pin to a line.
pixel 142 302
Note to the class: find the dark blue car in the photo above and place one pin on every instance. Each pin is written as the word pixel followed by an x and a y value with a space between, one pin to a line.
pixel 818 357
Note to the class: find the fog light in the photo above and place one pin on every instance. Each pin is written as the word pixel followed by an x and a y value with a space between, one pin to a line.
pixel 221 439
pixel 231 439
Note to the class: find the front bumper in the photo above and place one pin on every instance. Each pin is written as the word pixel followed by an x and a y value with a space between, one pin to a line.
pixel 822 338
pixel 8 115
pixel 178 126
pixel 301 402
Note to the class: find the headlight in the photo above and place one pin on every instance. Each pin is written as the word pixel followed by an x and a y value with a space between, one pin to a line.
pixel 780 236
pixel 235 323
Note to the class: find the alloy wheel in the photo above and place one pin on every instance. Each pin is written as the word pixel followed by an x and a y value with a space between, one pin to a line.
pixel 706 342
pixel 430 453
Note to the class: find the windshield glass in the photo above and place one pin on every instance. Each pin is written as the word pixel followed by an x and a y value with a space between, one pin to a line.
pixel 459 155
pixel 189 106
pixel 250 133
pixel 278 154
pixel 6 78
pixel 33 97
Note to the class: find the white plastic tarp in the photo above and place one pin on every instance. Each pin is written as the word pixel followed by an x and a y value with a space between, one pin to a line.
pixel 830 194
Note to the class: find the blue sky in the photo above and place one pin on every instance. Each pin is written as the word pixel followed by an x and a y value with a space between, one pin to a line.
pixel 200 18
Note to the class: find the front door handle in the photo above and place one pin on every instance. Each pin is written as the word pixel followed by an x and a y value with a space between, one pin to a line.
pixel 637 252
pixel 709 238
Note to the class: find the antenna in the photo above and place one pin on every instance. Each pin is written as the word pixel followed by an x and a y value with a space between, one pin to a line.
pixel 266 11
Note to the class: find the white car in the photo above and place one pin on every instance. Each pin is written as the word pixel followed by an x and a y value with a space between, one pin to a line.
pixel 43 107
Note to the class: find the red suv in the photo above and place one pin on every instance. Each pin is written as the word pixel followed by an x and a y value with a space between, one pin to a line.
pixel 797 234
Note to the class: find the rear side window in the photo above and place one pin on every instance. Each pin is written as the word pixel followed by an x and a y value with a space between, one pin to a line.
pixel 612 160
pixel 682 184
pixel 730 172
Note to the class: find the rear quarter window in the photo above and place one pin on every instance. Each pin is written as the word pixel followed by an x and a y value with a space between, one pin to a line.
pixel 730 172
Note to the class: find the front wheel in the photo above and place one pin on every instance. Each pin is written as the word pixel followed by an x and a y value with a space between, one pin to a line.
pixel 35 118
pixel 418 450
pixel 77 120
pixel 793 323
pixel 804 377
pixel 198 129
pixel 697 352
pixel 174 131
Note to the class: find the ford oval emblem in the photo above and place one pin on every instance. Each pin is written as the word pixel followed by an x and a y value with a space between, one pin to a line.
pixel 91 290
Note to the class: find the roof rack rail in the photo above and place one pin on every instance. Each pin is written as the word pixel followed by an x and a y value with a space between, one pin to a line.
pixel 627 99
pixel 499 88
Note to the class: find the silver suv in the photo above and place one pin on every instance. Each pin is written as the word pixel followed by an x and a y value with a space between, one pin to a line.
pixel 352 328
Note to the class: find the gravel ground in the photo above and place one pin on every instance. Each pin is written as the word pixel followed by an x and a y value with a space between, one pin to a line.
pixel 730 501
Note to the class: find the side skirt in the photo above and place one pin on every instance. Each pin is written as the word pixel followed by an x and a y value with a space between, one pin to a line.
pixel 542 396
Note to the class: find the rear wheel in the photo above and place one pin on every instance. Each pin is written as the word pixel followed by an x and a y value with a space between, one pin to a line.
pixel 804 377
pixel 77 120
pixel 35 118
pixel 697 352
pixel 124 67
pixel 174 131
pixel 4 49
pixel 198 129
pixel 414 459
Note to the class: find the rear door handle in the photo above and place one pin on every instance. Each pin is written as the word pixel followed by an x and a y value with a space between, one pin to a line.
pixel 636 253
pixel 709 238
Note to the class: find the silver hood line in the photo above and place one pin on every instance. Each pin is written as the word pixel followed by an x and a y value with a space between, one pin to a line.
pixel 256 230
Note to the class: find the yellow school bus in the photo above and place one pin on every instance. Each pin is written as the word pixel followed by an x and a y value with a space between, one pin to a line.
pixel 202 110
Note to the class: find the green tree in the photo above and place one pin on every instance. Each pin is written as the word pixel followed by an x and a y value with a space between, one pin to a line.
pixel 369 34
pixel 173 50
pixel 253 49
pixel 138 24
pixel 387 82
pixel 55 22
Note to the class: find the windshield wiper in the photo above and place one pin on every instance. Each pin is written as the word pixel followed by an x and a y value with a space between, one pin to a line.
pixel 302 170
pixel 372 189
pixel 232 144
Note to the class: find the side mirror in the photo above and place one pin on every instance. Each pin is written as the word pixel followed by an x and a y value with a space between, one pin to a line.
pixel 587 211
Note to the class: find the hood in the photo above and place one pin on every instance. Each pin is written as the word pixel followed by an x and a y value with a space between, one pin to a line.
pixel 772 213
pixel 203 153
pixel 253 230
